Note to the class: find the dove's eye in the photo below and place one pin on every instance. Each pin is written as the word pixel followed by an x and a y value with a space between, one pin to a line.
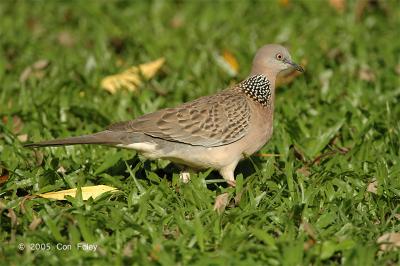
pixel 279 56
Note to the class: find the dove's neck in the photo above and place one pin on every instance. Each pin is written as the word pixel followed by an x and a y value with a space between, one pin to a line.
pixel 259 88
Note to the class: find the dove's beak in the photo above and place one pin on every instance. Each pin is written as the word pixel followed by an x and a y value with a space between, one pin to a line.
pixel 294 65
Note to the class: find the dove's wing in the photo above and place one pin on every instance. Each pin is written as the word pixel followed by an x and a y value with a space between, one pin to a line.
pixel 209 121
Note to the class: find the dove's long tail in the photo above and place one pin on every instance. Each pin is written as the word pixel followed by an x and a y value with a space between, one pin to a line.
pixel 103 137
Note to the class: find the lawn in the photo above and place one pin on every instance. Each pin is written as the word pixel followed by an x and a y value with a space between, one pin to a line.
pixel 328 197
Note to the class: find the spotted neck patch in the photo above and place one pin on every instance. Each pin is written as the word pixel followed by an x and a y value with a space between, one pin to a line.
pixel 258 87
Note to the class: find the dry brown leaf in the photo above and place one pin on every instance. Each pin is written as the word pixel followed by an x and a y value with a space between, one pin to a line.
pixel 389 241
pixel 132 78
pixel 4 178
pixel 305 171
pixel 39 157
pixel 35 70
pixel 177 21
pixel 366 74
pixel 87 192
pixel 284 3
pixel 169 232
pixel 309 244
pixel 41 64
pixel 65 38
pixel 373 187
pixel 286 77
pixel 155 252
pixel 338 5
pixel 309 229
pixel 35 26
pixel 335 54
pixel 23 137
pixel 22 203
pixel 17 123
pixel 13 217
pixel 61 170
pixel 238 197
pixel 25 74
pixel 35 223
pixel 128 249
pixel 227 62
pixel 221 201
pixel 4 175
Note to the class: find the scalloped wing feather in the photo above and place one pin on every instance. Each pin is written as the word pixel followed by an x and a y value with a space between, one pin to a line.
pixel 209 121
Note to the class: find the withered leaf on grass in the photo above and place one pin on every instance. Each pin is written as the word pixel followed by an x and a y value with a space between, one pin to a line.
pixel 35 223
pixel 373 187
pixel 366 74
pixel 65 38
pixel 177 21
pixel 35 70
pixel 305 171
pixel 13 217
pixel 87 192
pixel 389 241
pixel 310 231
pixel 284 3
pixel 4 175
pixel 38 157
pixel 17 123
pixel 23 137
pixel 221 202
pixel 338 5
pixel 132 78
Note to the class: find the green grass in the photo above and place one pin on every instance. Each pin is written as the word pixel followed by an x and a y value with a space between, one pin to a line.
pixel 341 129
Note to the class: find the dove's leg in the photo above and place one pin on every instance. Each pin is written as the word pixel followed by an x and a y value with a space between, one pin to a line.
pixel 227 173
pixel 185 173
pixel 184 176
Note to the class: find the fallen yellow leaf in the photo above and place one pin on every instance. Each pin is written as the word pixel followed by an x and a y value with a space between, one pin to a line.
pixel 132 78
pixel 227 61
pixel 87 192
pixel 231 60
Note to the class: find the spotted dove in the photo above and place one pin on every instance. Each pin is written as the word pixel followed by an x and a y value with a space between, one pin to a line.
pixel 214 131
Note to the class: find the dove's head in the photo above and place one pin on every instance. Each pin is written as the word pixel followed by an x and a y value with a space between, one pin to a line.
pixel 272 59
